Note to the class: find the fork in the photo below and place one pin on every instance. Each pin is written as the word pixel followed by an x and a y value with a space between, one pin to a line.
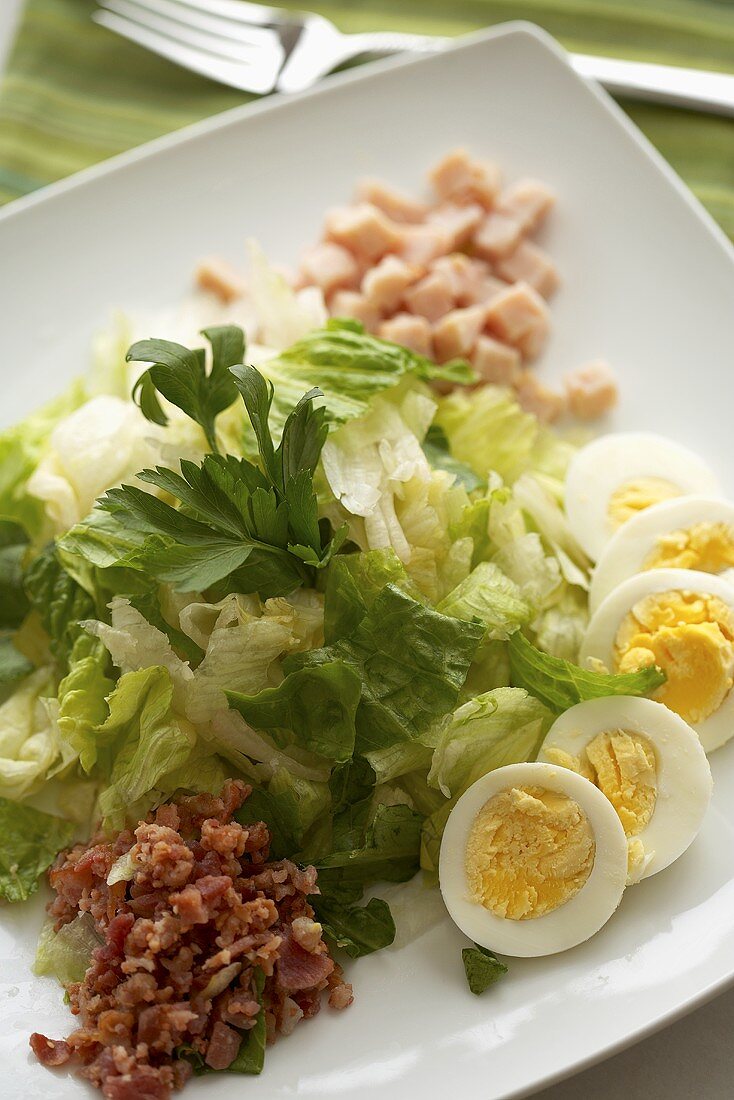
pixel 260 49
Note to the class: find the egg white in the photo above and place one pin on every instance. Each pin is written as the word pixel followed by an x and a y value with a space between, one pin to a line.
pixel 683 777
pixel 607 463
pixel 626 552
pixel 602 631
pixel 571 923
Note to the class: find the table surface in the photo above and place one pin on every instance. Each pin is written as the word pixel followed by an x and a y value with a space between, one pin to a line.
pixel 693 1057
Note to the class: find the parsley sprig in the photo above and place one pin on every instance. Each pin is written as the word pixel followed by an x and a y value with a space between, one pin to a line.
pixel 239 526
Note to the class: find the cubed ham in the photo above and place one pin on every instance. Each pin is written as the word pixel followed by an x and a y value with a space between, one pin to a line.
pixel 410 331
pixel 462 179
pixel 496 362
pixel 364 230
pixel 530 264
pixel 384 285
pixel 460 222
pixel 497 236
pixel 399 207
pixel 220 278
pixel 329 266
pixel 591 390
pixel 465 273
pixel 538 399
pixel 528 201
pixel 534 340
pixel 486 290
pixel 519 316
pixel 456 334
pixel 432 297
pixel 350 303
pixel 422 243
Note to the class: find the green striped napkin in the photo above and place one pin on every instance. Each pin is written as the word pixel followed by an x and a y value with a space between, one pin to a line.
pixel 74 93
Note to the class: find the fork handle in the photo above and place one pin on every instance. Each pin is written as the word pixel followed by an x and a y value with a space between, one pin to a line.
pixel 387 42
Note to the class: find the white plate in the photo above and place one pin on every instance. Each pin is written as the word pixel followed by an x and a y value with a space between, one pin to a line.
pixel 649 284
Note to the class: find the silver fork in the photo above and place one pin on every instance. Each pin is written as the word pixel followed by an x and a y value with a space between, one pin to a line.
pixel 261 49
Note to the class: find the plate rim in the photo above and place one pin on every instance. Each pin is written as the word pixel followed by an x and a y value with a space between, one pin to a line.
pixel 149 151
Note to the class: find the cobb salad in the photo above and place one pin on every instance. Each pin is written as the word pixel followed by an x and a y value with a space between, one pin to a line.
pixel 304 629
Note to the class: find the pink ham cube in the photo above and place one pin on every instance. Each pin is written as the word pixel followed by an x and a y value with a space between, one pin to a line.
pixel 364 230
pixel 349 303
pixel 410 331
pixel 399 207
pixel 456 334
pixel 329 266
pixel 422 243
pixel 460 222
pixel 219 277
pixel 497 236
pixel 465 274
pixel 432 297
pixel 528 201
pixel 530 264
pixel 538 399
pixel 460 178
pixel 519 316
pixel 385 284
pixel 591 390
pixel 496 362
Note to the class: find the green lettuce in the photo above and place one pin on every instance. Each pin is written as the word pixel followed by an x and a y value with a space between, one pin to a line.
pixel 82 697
pixel 67 954
pixel 411 662
pixel 357 929
pixel 487 430
pixel 384 848
pixel 14 667
pixel 354 582
pixel 503 726
pixel 21 448
pixel 29 842
pixel 488 595
pixel 290 805
pixel 482 968
pixel 14 604
pixel 60 602
pixel 30 747
pixel 560 684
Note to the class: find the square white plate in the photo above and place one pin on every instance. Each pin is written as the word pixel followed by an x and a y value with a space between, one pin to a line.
pixel 648 284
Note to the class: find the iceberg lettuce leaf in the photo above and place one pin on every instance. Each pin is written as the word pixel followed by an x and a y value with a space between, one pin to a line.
pixel 29 842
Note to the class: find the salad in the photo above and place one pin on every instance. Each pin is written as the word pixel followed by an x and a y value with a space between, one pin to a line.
pixel 294 615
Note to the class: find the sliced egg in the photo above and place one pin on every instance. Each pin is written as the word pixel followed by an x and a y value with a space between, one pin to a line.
pixel 683 621
pixel 533 860
pixel 688 533
pixel 617 476
pixel 650 765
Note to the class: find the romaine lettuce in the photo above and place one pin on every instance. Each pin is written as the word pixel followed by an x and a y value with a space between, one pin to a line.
pixel 29 841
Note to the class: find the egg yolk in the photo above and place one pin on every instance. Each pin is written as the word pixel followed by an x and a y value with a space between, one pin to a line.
pixel 690 637
pixel 624 768
pixel 708 547
pixel 634 496
pixel 529 851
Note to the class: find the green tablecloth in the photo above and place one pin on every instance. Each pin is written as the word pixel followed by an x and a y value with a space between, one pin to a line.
pixel 74 93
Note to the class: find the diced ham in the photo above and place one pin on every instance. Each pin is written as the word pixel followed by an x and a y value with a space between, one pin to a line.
pixel 410 331
pixel 422 243
pixel 432 297
pixel 364 230
pixel 528 201
pixel 220 278
pixel 461 179
pixel 533 342
pixel 329 266
pixel 486 291
pixel 497 236
pixel 384 285
pixel 349 303
pixel 519 316
pixel 537 399
pixel 531 265
pixel 456 334
pixel 591 390
pixel 297 969
pixel 399 207
pixel 459 221
pixel 496 362
pixel 465 273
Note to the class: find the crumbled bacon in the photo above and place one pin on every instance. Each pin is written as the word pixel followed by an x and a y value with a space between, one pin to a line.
pixel 182 944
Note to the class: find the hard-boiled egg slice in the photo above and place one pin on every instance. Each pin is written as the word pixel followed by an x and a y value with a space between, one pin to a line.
pixel 683 621
pixel 533 860
pixel 688 533
pixel 650 765
pixel 616 476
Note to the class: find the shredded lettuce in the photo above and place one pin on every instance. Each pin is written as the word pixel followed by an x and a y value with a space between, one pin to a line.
pixel 488 595
pixel 67 954
pixel 29 841
pixel 560 684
